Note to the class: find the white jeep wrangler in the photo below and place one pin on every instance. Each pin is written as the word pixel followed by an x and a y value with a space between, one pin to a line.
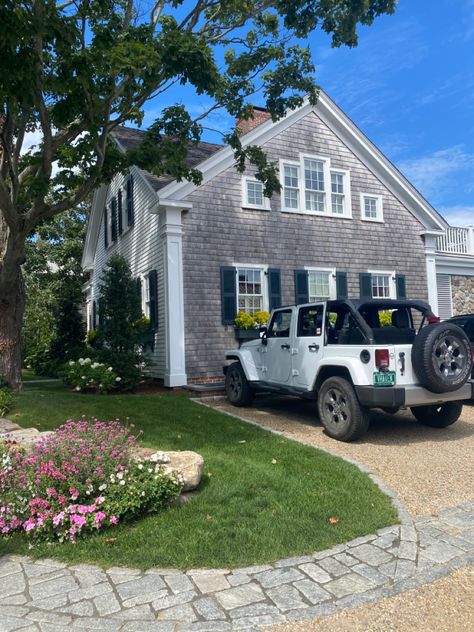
pixel 355 355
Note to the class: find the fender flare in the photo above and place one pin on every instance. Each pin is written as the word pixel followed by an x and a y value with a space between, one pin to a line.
pixel 247 363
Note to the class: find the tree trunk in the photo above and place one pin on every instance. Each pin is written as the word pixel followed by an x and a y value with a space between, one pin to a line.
pixel 12 302
pixel 11 318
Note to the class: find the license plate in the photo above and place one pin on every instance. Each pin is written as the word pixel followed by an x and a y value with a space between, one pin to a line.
pixel 385 378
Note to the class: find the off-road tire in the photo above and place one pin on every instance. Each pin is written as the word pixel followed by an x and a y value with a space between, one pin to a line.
pixel 237 388
pixel 438 415
pixel 339 410
pixel 441 357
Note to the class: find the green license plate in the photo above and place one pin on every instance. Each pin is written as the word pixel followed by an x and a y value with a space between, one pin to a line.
pixel 384 378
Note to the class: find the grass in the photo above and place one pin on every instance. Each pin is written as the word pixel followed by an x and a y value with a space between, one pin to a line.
pixel 250 510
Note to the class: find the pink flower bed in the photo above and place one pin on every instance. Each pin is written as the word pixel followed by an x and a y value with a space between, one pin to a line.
pixel 82 479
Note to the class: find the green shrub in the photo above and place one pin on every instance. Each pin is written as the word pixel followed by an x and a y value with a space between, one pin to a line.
pixel 261 318
pixel 85 375
pixel 244 321
pixel 385 318
pixel 6 400
pixel 126 366
pixel 79 481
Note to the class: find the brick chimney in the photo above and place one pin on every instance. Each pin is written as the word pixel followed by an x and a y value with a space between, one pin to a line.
pixel 259 116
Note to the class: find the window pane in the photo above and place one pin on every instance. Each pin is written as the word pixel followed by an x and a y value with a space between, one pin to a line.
pixel 250 296
pixel 314 174
pixel 337 203
pixel 318 285
pixel 337 183
pixel 280 325
pixel 254 193
pixel 291 176
pixel 380 286
pixel 370 207
pixel 291 198
pixel 314 201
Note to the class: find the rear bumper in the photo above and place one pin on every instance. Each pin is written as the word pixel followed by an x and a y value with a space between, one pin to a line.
pixel 397 396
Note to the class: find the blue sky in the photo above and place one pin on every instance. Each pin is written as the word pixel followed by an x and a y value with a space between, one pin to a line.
pixel 409 86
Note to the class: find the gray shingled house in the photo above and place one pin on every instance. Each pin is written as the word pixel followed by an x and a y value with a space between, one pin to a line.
pixel 347 223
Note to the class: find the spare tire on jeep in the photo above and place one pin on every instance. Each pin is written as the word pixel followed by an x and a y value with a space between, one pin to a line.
pixel 441 357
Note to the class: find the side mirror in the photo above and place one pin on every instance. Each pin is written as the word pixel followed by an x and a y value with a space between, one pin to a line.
pixel 262 332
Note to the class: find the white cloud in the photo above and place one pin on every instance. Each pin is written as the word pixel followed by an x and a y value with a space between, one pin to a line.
pixel 458 215
pixel 32 139
pixel 438 173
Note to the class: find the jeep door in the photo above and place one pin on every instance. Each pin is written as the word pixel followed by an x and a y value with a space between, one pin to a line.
pixel 308 344
pixel 277 357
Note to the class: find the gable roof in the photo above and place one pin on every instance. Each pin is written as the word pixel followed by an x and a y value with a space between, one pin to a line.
pixel 129 138
pixel 348 133
pixel 212 159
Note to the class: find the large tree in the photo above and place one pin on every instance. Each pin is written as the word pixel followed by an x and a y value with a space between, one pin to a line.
pixel 72 70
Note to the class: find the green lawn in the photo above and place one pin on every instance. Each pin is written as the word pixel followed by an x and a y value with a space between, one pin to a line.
pixel 249 510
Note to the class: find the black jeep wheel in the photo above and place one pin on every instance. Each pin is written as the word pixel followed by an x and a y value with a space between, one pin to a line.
pixel 438 416
pixel 339 410
pixel 441 357
pixel 237 388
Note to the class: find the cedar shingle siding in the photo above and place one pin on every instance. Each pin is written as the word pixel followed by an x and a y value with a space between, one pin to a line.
pixel 218 232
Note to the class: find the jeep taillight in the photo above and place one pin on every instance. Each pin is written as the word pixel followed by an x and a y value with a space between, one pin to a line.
pixel 382 358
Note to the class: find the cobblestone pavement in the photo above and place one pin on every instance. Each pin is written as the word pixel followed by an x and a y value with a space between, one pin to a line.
pixel 49 596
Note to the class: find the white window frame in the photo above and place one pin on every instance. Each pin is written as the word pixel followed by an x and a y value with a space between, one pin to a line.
pixel 346 183
pixel 245 202
pixel 332 282
pixel 264 272
pixel 327 169
pixel 392 282
pixel 379 207
pixel 290 163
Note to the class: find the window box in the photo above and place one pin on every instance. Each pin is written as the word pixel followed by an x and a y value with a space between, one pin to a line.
pixel 242 335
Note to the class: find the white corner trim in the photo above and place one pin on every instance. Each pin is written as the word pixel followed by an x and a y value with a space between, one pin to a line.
pixel 170 233
pixel 93 227
pixel 432 282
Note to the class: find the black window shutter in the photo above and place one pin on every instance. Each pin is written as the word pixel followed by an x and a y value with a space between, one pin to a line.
pixel 341 285
pixel 113 219
pixel 301 287
pixel 120 212
pixel 274 288
pixel 401 285
pixel 228 295
pixel 94 315
pixel 106 221
pixel 130 210
pixel 365 283
pixel 153 290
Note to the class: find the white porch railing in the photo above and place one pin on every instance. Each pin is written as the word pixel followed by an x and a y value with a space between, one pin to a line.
pixel 457 240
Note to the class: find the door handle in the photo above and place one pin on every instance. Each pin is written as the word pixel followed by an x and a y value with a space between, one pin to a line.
pixel 313 347
pixel 285 346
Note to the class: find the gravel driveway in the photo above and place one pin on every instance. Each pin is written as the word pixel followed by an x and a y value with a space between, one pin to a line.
pixel 428 468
